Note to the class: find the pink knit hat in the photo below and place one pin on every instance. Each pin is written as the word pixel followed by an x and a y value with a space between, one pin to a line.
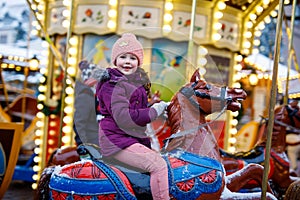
pixel 127 44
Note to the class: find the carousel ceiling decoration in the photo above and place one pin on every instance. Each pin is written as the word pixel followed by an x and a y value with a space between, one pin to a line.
pixel 225 24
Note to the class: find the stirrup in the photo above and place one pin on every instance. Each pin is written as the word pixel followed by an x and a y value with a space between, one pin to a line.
pixel 90 150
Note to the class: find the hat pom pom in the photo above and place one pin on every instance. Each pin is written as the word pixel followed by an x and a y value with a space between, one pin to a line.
pixel 130 36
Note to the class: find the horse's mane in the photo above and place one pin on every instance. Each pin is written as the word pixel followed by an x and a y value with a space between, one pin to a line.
pixel 175 111
pixel 174 114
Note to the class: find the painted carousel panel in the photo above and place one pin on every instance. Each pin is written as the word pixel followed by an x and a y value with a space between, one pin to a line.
pixel 56 19
pixel 92 18
pixel 144 21
pixel 10 142
pixel 182 24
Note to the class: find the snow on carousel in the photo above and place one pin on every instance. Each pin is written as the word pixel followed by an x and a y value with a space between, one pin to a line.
pixel 192 57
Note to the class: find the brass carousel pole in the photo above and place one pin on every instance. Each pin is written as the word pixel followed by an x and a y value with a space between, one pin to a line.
pixel 189 69
pixel 291 53
pixel 69 35
pixel 272 100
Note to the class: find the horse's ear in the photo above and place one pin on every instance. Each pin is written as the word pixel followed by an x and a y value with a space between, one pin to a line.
pixel 196 76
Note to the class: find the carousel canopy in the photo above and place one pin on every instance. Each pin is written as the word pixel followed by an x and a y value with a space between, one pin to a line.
pixel 294 88
pixel 266 64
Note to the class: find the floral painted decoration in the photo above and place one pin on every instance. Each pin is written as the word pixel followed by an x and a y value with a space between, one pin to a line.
pixel 136 18
pixel 89 15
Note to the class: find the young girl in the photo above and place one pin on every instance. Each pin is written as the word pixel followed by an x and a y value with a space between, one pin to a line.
pixel 123 103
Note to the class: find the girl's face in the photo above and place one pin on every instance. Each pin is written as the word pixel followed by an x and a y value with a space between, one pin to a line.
pixel 127 63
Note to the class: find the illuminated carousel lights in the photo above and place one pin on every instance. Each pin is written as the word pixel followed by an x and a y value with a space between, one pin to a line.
pixel 294 96
pixel 261 25
pixel 53 123
pixel 38 6
pixel 69 91
pixel 168 17
pixel 39 133
pixel 71 70
pixel 261 70
pixel 291 96
pixel 112 14
pixel 236 71
pixel 37 150
pixel 66 13
pixel 35 31
pixel 280 89
pixel 218 14
pixel 19 64
pixel 249 43
pixel 233 122
pixel 232 139
pixel 67 2
pixel 201 60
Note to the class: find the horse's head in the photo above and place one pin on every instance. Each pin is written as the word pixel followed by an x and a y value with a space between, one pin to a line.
pixel 188 110
pixel 288 114
pixel 212 98
pixel 292 115
pixel 286 119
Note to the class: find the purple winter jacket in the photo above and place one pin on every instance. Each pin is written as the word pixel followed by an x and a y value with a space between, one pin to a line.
pixel 123 103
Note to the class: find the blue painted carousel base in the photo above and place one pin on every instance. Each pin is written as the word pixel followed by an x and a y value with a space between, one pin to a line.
pixel 24 172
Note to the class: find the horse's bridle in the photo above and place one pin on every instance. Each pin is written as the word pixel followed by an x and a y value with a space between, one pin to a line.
pixel 291 114
pixel 189 92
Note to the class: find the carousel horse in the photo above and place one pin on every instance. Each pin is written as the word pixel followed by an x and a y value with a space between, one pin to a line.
pixel 293 191
pixel 293 141
pixel 286 119
pixel 191 153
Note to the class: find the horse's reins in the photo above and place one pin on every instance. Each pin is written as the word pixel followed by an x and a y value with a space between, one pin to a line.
pixel 291 115
pixel 291 128
pixel 189 92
